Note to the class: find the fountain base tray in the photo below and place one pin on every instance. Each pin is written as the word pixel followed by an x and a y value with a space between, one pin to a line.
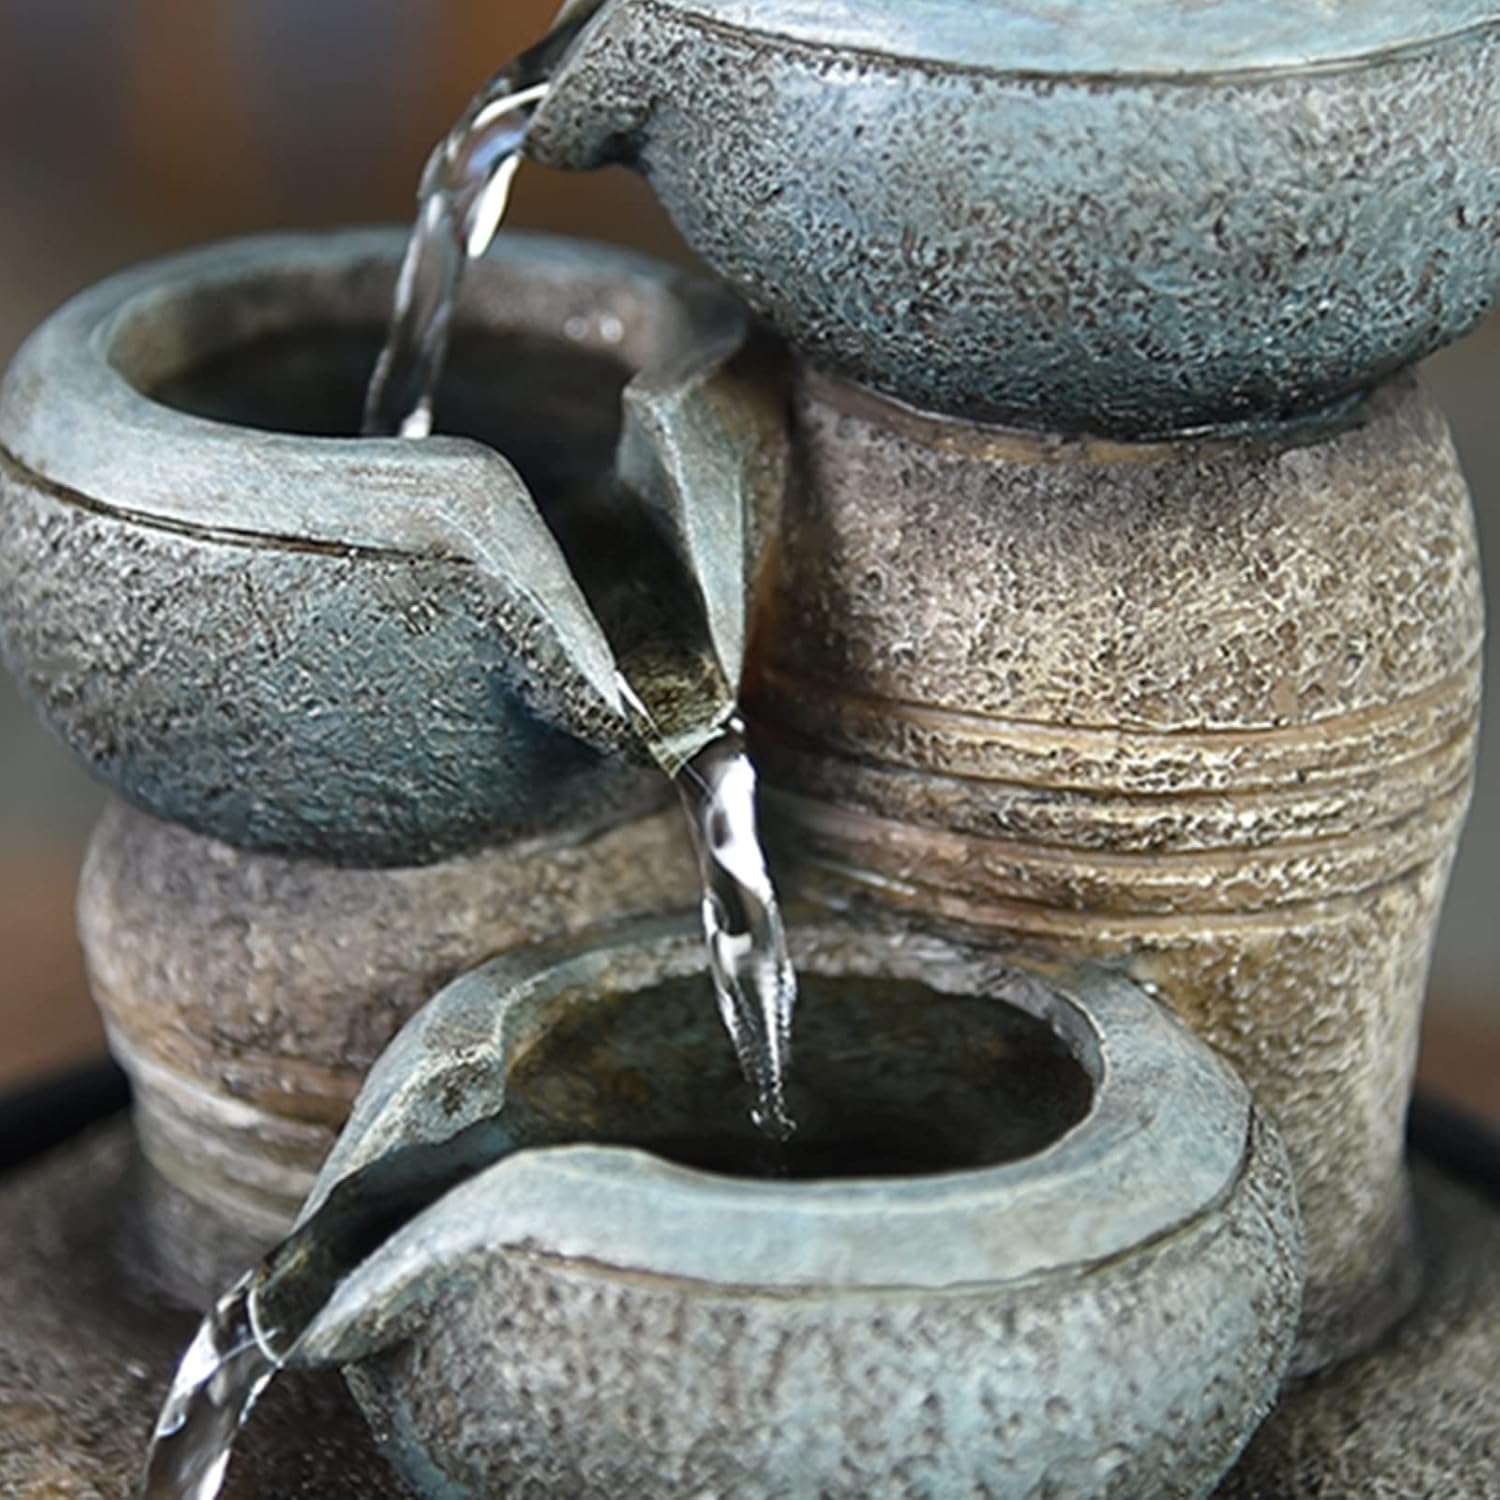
pixel 87 1349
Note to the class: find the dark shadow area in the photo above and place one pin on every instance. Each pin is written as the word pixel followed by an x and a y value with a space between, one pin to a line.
pixel 50 1113
pixel 890 1079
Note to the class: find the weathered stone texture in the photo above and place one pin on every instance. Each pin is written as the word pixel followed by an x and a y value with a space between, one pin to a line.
pixel 245 620
pixel 1073 246
pixel 249 994
pixel 1209 708
pixel 337 704
pixel 608 1384
pixel 1420 1414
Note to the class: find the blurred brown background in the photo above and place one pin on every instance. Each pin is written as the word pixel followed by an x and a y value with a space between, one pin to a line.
pixel 131 127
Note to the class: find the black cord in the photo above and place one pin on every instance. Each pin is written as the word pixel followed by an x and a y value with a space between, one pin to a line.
pixel 1449 1138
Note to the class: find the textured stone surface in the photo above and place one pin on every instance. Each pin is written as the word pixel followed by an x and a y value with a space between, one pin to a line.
pixel 296 700
pixel 1210 709
pixel 192 1248
pixel 1065 246
pixel 370 652
pixel 248 994
pixel 87 1351
pixel 1135 1380
pixel 1420 1415
pixel 1111 1309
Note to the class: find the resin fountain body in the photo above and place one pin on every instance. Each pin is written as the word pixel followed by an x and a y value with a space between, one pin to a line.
pixel 1179 670
pixel 1181 667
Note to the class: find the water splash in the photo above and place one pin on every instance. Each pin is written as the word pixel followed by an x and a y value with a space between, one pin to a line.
pixel 222 1375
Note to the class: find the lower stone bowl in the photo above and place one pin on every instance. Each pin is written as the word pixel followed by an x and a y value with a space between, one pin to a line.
pixel 1032 1237
pixel 247 620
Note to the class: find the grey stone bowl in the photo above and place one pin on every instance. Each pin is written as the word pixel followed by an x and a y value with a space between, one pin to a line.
pixel 1085 1280
pixel 246 621
pixel 1125 217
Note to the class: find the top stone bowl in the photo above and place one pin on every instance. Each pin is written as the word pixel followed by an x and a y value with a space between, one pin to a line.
pixel 1126 217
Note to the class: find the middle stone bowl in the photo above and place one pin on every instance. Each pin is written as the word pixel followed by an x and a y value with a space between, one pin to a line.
pixel 249 621
pixel 1032 1238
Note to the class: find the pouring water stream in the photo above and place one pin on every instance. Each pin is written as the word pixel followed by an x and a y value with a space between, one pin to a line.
pixel 465 191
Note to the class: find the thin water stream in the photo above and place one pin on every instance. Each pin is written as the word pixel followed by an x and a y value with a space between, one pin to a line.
pixel 219 1380
pixel 253 1328
pixel 464 195
pixel 462 201
pixel 752 971
pixel 465 192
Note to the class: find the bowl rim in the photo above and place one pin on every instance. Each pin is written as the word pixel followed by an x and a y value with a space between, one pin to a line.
pixel 1164 1142
pixel 1184 40
pixel 73 419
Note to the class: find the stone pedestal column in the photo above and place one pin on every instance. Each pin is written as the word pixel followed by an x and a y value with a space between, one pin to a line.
pixel 248 995
pixel 1205 709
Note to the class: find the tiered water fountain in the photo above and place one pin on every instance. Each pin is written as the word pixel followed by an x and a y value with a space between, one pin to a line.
pixel 1102 600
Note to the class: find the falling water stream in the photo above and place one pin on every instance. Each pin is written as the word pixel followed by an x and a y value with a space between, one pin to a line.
pixel 253 1328
pixel 461 204
pixel 219 1379
pixel 747 952
pixel 464 194
pixel 465 191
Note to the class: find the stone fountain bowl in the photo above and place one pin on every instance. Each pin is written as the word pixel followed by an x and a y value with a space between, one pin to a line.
pixel 248 622
pixel 1032 1239
pixel 1125 217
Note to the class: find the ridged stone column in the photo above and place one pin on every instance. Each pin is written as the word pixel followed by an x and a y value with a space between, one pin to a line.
pixel 247 995
pixel 1206 709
